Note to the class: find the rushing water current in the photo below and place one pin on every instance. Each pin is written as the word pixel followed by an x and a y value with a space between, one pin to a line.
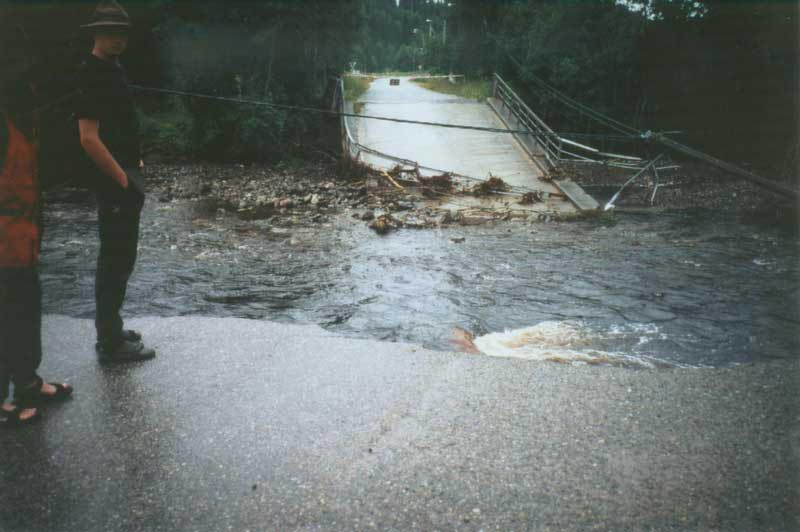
pixel 684 289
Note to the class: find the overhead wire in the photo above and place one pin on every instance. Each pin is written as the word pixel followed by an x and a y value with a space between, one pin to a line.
pixel 300 108
pixel 654 136
pixel 568 101
pixel 572 103
pixel 330 112
pixel 600 117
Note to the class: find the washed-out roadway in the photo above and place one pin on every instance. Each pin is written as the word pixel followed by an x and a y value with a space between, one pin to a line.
pixel 251 425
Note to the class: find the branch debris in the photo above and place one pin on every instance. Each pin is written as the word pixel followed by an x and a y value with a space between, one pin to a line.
pixel 437 184
pixel 490 186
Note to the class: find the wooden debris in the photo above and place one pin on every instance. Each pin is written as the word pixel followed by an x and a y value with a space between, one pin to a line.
pixel 490 186
pixel 396 170
pixel 396 185
pixel 437 184
pixel 351 169
pixel 529 198
pixel 405 176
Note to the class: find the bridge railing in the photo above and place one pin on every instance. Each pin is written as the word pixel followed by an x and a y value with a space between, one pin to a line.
pixel 548 142
pixel 350 146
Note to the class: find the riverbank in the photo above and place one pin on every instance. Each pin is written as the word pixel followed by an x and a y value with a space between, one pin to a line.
pixel 473 89
pixel 247 424
pixel 315 191
pixel 692 186
pixel 321 187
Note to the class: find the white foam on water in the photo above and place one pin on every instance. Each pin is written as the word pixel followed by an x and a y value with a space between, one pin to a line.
pixel 559 341
pixel 646 332
pixel 646 329
pixel 545 340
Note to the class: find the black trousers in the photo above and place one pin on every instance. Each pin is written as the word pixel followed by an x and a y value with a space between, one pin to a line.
pixel 20 327
pixel 118 216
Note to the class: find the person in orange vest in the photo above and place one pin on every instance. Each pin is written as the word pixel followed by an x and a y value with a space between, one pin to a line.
pixel 109 134
pixel 20 237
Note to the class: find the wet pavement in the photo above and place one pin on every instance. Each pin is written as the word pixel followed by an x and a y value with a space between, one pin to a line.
pixel 250 425
pixel 471 153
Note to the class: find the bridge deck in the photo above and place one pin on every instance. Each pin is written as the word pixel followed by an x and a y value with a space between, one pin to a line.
pixel 471 153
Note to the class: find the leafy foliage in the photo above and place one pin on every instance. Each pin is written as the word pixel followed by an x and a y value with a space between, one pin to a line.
pixel 724 73
pixel 355 86
pixel 470 89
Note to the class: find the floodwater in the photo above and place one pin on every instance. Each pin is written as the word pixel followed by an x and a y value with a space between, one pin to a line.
pixel 686 289
pixel 466 152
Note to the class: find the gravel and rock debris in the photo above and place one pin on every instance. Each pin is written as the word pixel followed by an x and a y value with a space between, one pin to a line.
pixel 317 190
pixel 394 199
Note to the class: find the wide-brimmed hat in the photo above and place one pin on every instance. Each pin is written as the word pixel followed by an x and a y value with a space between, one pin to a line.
pixel 109 16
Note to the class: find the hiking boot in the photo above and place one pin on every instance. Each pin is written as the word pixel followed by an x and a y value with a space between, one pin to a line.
pixel 131 336
pixel 125 351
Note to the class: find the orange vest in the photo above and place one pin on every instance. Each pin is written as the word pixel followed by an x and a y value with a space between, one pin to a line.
pixel 19 202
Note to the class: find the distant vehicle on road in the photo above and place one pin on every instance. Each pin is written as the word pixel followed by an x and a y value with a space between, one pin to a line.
pixel 394 81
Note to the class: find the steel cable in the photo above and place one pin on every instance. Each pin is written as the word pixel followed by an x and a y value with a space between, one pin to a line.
pixel 60 99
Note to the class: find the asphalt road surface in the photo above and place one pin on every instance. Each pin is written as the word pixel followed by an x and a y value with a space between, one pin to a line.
pixel 250 425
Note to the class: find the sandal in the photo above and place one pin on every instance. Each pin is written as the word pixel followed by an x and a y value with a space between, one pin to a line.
pixel 33 396
pixel 12 418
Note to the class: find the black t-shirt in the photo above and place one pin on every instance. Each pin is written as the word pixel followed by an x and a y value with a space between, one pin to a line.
pixel 3 139
pixel 18 101
pixel 104 96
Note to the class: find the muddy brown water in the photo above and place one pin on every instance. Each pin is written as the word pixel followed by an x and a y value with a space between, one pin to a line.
pixel 689 289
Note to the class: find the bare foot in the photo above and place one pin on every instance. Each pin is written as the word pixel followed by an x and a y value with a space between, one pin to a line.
pixel 39 391
pixel 48 389
pixel 24 415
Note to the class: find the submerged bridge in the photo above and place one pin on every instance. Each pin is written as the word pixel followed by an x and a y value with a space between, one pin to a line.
pixel 524 160
pixel 501 137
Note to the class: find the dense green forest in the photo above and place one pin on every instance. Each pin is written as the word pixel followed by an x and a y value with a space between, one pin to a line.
pixel 722 74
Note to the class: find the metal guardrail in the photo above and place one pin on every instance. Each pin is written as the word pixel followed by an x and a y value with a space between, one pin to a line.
pixel 554 148
pixel 528 120
pixel 350 148
pixel 353 149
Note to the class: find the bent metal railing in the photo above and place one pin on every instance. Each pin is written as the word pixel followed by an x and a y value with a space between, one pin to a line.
pixel 349 144
pixel 549 143
pixel 354 150
pixel 546 148
pixel 543 144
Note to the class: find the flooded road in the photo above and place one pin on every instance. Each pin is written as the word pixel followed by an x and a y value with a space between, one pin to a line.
pixel 471 153
pixel 689 290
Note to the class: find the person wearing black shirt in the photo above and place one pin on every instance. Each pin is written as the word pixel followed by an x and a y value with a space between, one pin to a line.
pixel 109 134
